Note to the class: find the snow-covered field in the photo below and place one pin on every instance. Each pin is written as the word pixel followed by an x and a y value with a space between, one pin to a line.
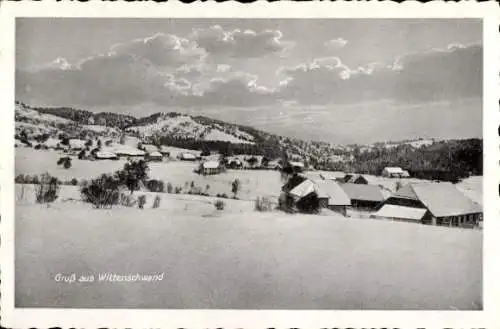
pixel 238 258
pixel 253 182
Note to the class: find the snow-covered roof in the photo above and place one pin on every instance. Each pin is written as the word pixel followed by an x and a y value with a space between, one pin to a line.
pixel 332 190
pixel 332 174
pixel 155 154
pixel 395 211
pixel 186 155
pixel 394 170
pixel 364 192
pixel 105 155
pixel 131 152
pixel 296 164
pixel 444 199
pixel 303 189
pixel 149 147
pixel 211 164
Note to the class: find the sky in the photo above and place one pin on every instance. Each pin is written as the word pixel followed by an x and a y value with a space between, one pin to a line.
pixel 336 80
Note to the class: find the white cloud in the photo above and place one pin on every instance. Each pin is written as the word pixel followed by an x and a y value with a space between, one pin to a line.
pixel 163 50
pixel 451 73
pixel 335 43
pixel 238 43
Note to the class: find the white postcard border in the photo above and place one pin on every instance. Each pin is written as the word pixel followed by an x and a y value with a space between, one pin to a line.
pixel 93 318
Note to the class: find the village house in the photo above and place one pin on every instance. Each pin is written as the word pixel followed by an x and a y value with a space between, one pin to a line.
pixel 332 196
pixel 364 196
pixel 395 172
pixel 274 165
pixel 308 195
pixel 154 156
pixel 130 152
pixel 164 151
pixel 432 203
pixel 186 156
pixel 297 166
pixel 333 175
pixel 104 155
pixel 211 168
pixel 149 148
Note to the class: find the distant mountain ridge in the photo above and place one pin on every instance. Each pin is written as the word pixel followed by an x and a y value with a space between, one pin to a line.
pixel 462 157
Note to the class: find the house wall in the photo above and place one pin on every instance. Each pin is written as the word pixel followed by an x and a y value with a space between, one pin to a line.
pixel 364 204
pixel 211 171
pixel 465 220
pixel 323 202
pixel 340 209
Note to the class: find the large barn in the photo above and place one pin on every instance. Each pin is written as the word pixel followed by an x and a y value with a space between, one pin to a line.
pixel 432 203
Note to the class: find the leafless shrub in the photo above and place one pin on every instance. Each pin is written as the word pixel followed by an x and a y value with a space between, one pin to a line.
pixel 141 201
pixel 47 189
pixel 263 204
pixel 156 202
pixel 127 200
pixel 101 192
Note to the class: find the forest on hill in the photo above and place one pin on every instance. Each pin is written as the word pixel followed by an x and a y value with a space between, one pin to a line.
pixel 447 160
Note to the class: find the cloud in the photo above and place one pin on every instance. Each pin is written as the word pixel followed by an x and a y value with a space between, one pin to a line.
pixel 239 44
pixel 99 81
pixel 238 89
pixel 145 73
pixel 335 43
pixel 455 72
pixel 164 50
pixel 441 74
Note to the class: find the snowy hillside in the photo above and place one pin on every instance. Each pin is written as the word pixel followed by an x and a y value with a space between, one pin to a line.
pixel 183 126
pixel 26 114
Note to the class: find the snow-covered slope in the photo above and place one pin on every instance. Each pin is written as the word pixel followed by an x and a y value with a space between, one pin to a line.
pixel 183 126
pixel 25 114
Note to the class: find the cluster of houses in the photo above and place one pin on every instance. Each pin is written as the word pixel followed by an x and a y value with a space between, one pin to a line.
pixel 423 202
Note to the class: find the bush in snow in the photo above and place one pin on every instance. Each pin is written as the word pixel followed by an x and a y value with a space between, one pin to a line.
pixel 127 200
pixel 102 192
pixel 47 189
pixel 263 204
pixel 156 202
pixel 155 185
pixel 141 201
pixel 219 205
pixel 65 162
pixel 170 188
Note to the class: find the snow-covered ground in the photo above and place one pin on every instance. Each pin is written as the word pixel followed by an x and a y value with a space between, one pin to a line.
pixel 37 117
pixel 179 173
pixel 241 259
pixel 185 126
pixel 217 135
